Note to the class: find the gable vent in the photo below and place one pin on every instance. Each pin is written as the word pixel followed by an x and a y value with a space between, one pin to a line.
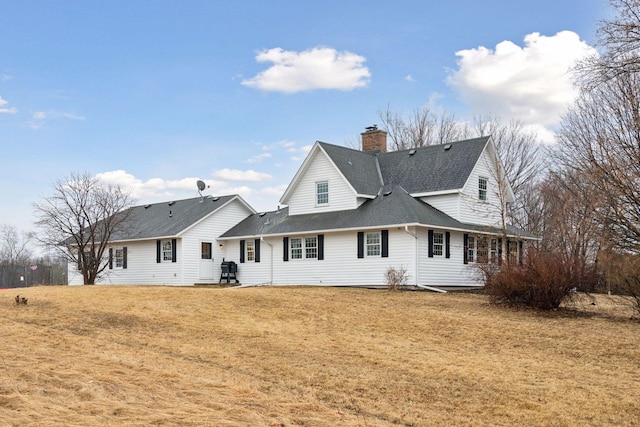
pixel 147 206
pixel 447 147
pixel 171 203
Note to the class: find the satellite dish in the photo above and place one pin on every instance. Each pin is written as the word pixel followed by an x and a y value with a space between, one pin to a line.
pixel 201 185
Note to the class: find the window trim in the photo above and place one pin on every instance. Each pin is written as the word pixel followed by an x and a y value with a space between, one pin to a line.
pixel 373 245
pixel 166 251
pixel 483 190
pixel 438 245
pixel 324 193
pixel 303 251
pixel 250 251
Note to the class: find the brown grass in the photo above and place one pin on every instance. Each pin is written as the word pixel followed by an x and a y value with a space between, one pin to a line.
pixel 162 356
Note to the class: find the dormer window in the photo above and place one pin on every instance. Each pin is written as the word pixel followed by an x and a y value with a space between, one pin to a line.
pixel 482 189
pixel 322 193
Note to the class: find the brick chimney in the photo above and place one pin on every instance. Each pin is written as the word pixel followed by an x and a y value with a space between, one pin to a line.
pixel 374 140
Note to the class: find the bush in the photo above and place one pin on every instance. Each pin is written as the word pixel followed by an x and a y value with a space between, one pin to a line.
pixel 542 282
pixel 396 279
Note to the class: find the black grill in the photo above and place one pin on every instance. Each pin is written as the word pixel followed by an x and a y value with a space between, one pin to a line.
pixel 228 271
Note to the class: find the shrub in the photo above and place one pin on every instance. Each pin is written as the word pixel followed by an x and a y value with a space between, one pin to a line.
pixel 622 277
pixel 543 281
pixel 396 279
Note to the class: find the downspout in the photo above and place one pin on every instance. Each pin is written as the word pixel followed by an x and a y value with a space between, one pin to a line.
pixel 415 237
pixel 271 261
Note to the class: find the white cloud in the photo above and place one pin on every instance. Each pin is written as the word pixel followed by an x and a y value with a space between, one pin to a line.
pixel 4 109
pixel 240 175
pixel 259 157
pixel 317 68
pixel 5 77
pixel 56 115
pixel 409 78
pixel 531 83
pixel 156 190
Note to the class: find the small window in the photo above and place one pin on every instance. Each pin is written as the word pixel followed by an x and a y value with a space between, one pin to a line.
pixel 438 244
pixel 251 250
pixel 119 258
pixel 482 189
pixel 373 244
pixel 296 248
pixel 310 247
pixel 512 249
pixel 493 254
pixel 167 251
pixel 205 250
pixel 471 248
pixel 483 250
pixel 322 193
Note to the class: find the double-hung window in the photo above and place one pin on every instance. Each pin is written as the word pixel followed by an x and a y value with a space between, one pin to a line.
pixel 482 189
pixel 438 244
pixel 251 250
pixel 373 244
pixel 304 247
pixel 322 193
pixel 167 250
pixel 119 257
pixel 471 249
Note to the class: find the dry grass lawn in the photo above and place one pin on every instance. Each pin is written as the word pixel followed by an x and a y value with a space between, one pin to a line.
pixel 159 356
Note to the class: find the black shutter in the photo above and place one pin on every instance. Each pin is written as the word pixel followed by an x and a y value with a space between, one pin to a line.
pixel 360 244
pixel 241 251
pixel 447 243
pixel 499 251
pixel 320 247
pixel 174 250
pixel 430 234
pixel 124 257
pixel 257 249
pixel 158 251
pixel 520 252
pixel 465 248
pixel 285 249
pixel 110 258
pixel 385 243
pixel 79 259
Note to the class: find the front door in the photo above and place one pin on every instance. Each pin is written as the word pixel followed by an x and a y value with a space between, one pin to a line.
pixel 206 261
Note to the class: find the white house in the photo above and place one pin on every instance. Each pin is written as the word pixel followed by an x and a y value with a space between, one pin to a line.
pixel 171 243
pixel 350 215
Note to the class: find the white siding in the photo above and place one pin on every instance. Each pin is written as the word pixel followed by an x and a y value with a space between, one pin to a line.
pixel 447 203
pixel 473 210
pixel 303 197
pixel 341 266
pixel 142 268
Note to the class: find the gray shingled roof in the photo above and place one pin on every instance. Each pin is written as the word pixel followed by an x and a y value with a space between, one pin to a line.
pixel 390 208
pixel 359 168
pixel 420 170
pixel 432 168
pixel 167 218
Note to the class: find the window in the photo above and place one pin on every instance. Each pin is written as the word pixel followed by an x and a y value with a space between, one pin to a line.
pixel 119 257
pixel 310 247
pixel 167 251
pixel 322 193
pixel 494 251
pixel 304 247
pixel 296 248
pixel 205 250
pixel 483 250
pixel 373 244
pixel 482 189
pixel 251 251
pixel 512 250
pixel 471 248
pixel 438 244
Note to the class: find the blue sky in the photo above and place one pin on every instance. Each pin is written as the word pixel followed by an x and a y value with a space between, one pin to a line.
pixel 153 95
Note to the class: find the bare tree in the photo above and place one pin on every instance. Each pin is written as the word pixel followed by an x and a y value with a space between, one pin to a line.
pixel 15 253
pixel 620 39
pixel 79 220
pixel 421 127
pixel 600 135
